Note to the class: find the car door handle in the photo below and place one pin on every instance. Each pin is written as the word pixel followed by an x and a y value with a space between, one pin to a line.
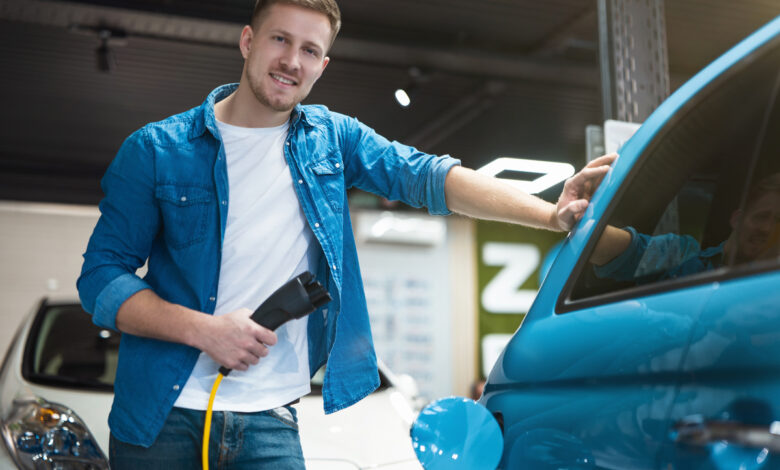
pixel 697 431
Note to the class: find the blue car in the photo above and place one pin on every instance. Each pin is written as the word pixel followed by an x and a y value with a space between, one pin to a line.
pixel 654 342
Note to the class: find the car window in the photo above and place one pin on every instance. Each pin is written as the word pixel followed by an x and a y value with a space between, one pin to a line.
pixel 679 213
pixel 65 348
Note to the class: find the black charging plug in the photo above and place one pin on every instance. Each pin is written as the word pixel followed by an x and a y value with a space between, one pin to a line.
pixel 297 298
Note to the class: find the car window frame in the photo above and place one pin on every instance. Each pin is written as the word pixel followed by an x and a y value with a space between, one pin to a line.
pixel 565 304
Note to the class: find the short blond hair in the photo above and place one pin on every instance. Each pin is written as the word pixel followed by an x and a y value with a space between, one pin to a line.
pixel 327 7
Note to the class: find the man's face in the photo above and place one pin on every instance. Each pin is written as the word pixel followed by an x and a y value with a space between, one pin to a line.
pixel 758 229
pixel 285 55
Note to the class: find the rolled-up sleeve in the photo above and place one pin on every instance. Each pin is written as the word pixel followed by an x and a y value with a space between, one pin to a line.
pixel 393 170
pixel 123 235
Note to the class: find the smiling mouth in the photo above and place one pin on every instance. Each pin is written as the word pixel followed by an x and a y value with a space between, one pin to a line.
pixel 283 80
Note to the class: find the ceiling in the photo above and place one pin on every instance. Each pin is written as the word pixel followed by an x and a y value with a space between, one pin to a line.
pixel 501 77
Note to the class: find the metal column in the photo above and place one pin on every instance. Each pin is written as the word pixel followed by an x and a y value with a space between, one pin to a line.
pixel 634 67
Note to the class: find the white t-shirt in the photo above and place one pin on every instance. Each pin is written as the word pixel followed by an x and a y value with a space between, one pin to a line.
pixel 267 242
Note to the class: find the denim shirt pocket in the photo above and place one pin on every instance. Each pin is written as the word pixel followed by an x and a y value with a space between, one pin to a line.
pixel 330 176
pixel 185 212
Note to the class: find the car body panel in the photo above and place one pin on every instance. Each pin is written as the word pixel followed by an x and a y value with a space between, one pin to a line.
pixel 611 369
pixel 600 383
pixel 732 373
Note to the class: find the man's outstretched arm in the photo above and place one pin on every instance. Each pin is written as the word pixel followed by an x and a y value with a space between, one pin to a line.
pixel 483 197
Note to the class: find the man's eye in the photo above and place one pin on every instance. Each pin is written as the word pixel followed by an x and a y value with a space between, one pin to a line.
pixel 311 51
pixel 278 38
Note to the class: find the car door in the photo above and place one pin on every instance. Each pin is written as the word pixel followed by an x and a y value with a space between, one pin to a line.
pixel 590 378
pixel 727 413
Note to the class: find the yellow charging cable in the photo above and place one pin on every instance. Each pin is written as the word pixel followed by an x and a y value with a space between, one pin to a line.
pixel 297 298
pixel 207 426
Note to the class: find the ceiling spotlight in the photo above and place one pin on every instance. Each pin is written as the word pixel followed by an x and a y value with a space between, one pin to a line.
pixel 405 94
pixel 402 97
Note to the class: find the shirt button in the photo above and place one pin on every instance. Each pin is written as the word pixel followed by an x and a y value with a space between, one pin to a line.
pixel 224 203
pixel 300 181
pixel 212 299
pixel 287 144
pixel 183 198
pixel 334 267
pixel 176 387
pixel 338 165
pixel 316 225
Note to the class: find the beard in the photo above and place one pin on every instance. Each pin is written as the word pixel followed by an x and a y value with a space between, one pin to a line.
pixel 262 95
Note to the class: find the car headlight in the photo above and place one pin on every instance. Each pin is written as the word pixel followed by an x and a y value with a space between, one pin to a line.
pixel 42 435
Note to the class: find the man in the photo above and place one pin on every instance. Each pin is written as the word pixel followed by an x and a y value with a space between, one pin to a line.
pixel 227 202
pixel 623 254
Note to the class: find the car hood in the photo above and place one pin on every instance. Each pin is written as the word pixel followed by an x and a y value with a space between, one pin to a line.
pixel 325 438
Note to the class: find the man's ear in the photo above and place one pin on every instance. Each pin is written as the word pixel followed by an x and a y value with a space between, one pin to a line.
pixel 245 42
pixel 325 63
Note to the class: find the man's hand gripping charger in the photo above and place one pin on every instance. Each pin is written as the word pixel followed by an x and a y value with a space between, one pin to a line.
pixel 297 298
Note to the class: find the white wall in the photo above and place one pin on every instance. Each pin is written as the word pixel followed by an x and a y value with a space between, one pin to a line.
pixel 40 256
pixel 418 271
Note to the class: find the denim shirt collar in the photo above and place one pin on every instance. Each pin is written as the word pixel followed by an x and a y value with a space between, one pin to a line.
pixel 207 120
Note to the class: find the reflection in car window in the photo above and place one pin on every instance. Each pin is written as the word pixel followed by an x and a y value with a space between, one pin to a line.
pixel 756 237
pixel 65 347
pixel 686 211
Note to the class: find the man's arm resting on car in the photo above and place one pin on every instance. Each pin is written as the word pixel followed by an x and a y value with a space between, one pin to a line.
pixel 480 196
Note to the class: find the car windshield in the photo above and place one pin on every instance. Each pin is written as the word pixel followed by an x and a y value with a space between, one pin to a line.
pixel 65 348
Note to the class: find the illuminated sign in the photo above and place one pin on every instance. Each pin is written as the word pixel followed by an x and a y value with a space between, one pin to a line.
pixel 550 173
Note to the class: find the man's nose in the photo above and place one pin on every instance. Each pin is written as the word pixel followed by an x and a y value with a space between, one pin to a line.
pixel 289 59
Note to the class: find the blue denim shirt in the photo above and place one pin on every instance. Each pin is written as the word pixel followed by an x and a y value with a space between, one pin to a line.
pixel 166 200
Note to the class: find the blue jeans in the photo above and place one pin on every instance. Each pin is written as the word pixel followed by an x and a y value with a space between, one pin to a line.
pixel 266 439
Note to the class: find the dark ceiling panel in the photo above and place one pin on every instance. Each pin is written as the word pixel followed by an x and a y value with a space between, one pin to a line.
pixel 67 119
pixel 510 26
pixel 66 107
